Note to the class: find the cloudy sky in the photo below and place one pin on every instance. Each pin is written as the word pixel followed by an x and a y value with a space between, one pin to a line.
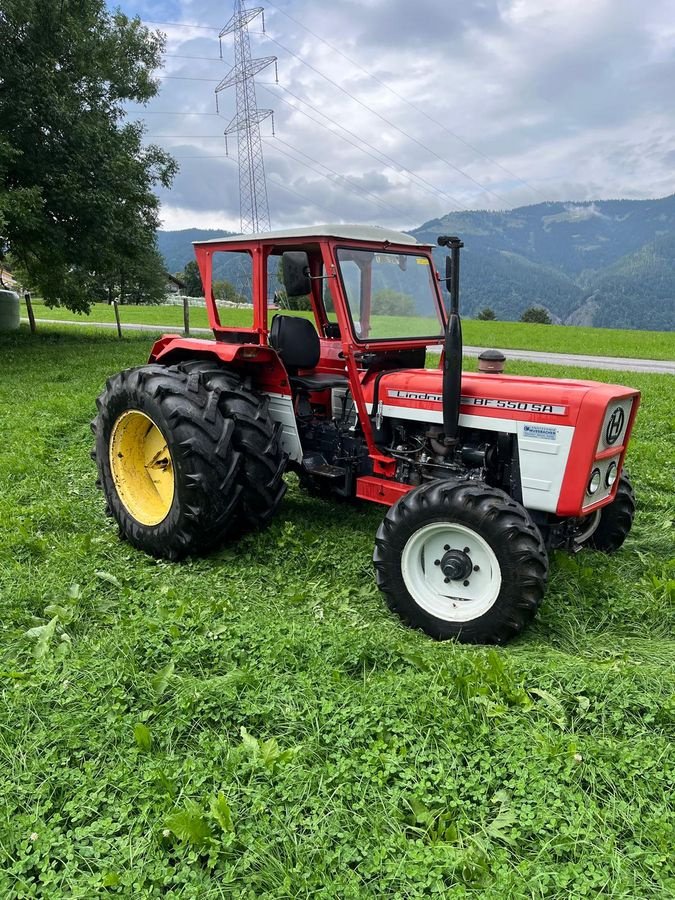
pixel 394 112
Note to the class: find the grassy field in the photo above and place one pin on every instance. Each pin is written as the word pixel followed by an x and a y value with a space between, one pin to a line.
pixel 514 335
pixel 257 724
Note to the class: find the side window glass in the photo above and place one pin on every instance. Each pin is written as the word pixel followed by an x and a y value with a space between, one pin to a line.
pixel 233 286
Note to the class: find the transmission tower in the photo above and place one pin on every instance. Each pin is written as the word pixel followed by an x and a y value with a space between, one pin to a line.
pixel 253 204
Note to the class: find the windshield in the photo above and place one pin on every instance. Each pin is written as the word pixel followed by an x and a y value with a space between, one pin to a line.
pixel 390 295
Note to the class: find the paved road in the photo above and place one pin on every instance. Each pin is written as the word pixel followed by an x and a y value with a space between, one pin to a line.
pixel 617 363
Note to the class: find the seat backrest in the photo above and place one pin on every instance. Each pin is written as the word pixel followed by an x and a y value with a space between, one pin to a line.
pixel 296 342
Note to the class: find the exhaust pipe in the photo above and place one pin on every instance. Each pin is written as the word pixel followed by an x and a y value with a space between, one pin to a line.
pixel 452 357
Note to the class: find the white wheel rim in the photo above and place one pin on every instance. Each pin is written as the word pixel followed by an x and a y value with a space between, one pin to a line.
pixel 587 527
pixel 452 601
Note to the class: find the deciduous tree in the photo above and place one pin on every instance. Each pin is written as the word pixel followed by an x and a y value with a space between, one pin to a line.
pixel 76 181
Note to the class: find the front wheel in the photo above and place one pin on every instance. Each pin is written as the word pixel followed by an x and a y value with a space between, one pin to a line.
pixel 463 560
pixel 615 520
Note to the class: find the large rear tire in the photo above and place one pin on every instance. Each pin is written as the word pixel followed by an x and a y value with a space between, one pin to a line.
pixel 186 456
pixel 256 437
pixel 166 461
pixel 462 560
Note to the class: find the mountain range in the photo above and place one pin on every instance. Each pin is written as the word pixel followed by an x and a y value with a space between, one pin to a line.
pixel 608 263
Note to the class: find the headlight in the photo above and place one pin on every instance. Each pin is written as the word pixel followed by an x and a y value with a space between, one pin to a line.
pixel 612 472
pixel 594 482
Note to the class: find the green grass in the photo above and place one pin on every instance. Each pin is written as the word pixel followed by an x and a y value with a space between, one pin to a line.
pixel 257 724
pixel 505 335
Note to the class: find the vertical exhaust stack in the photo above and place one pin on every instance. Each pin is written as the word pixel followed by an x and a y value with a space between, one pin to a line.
pixel 452 357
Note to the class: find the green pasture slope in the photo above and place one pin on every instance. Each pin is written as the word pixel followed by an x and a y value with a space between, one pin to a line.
pixel 513 335
pixel 257 724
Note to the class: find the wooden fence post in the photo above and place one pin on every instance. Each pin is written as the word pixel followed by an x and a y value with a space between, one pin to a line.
pixel 186 315
pixel 31 314
pixel 116 307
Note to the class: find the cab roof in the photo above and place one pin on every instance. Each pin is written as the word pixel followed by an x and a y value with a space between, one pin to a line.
pixel 372 233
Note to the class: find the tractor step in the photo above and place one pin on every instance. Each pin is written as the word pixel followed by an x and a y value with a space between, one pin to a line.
pixel 316 465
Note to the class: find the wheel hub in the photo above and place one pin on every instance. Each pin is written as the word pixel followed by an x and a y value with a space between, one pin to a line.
pixel 456 565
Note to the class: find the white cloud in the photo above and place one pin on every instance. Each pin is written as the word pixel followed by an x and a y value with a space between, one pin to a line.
pixel 574 97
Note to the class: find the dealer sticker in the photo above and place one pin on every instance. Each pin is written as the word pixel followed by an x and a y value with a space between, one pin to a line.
pixel 540 432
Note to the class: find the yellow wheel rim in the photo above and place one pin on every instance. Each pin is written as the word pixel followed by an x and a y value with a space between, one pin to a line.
pixel 141 467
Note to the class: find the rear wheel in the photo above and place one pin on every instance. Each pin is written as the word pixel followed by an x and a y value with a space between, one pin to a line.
pixel 461 560
pixel 187 455
pixel 166 461
pixel 256 437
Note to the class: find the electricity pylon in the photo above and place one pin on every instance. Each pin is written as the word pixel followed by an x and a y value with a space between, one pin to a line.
pixel 253 203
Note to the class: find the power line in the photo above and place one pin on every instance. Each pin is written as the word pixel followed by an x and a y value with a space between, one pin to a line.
pixel 405 99
pixel 388 121
pixel 381 157
pixel 186 137
pixel 187 78
pixel 164 112
pixel 181 56
pixel 308 200
pixel 391 124
pixel 181 25
pixel 344 178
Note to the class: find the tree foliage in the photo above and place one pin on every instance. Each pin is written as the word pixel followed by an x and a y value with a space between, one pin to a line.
pixel 486 315
pixel 388 302
pixel 77 208
pixel 536 314
pixel 225 290
pixel 192 280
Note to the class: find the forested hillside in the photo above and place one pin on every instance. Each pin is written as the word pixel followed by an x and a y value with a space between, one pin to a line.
pixel 608 263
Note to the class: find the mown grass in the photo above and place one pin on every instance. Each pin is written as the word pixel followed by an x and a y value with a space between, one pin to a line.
pixel 257 724
pixel 504 335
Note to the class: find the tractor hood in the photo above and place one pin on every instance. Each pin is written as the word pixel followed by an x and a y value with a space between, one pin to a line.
pixel 564 429
pixel 417 394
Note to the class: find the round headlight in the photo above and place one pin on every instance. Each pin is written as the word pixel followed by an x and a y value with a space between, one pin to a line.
pixel 594 482
pixel 612 472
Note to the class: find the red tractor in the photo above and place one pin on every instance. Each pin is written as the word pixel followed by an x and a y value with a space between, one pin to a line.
pixel 481 473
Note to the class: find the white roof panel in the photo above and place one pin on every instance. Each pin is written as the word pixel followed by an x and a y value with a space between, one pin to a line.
pixel 348 232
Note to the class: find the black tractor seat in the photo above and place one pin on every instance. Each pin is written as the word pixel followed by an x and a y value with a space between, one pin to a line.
pixel 321 381
pixel 297 343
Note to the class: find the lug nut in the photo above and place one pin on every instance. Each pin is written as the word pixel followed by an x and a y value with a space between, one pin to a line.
pixel 476 568
pixel 467 550
pixel 466 584
pixel 437 562
pixel 447 547
pixel 447 581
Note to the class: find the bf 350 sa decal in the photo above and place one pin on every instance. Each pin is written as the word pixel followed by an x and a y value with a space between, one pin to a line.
pixel 485 402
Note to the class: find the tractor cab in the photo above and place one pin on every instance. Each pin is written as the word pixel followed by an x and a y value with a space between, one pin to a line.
pixel 350 302
pixel 368 292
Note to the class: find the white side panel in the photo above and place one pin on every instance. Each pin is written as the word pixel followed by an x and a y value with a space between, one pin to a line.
pixel 435 417
pixel 543 451
pixel 281 410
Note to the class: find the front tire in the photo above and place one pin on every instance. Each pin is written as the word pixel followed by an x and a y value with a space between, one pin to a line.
pixel 462 560
pixel 616 519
